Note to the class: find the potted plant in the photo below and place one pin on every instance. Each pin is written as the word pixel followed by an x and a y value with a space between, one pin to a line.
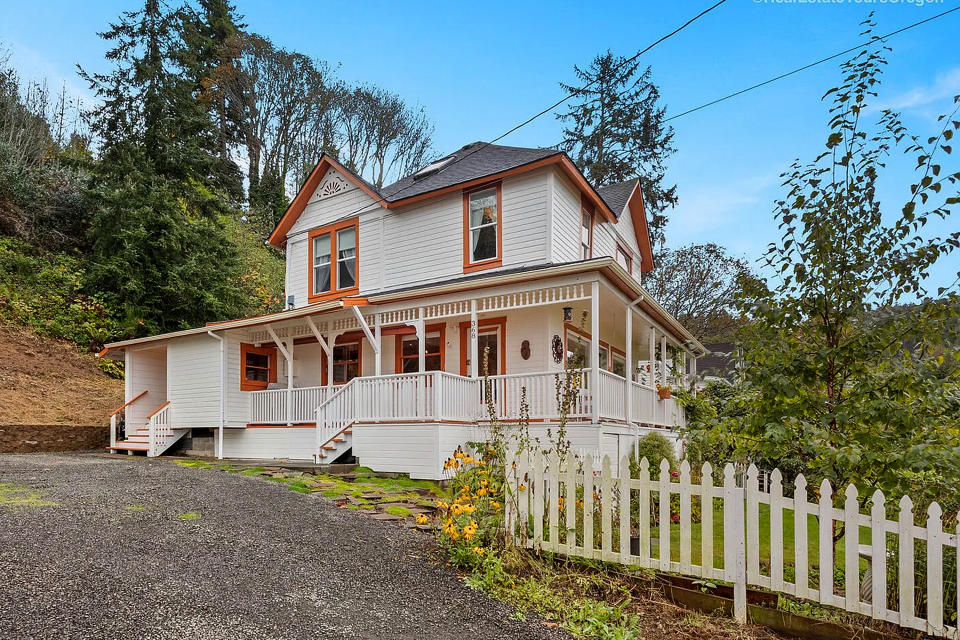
pixel 664 392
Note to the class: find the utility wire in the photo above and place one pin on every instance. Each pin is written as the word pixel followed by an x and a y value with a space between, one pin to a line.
pixel 382 200
pixel 808 66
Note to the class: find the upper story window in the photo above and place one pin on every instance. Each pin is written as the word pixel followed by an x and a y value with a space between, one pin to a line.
pixel 333 261
pixel 482 232
pixel 586 234
pixel 625 258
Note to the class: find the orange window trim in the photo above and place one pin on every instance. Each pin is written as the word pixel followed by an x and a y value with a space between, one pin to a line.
pixel 343 338
pixel 587 208
pixel 256 385
pixel 586 334
pixel 483 323
pixel 332 229
pixel 491 263
pixel 627 252
pixel 440 328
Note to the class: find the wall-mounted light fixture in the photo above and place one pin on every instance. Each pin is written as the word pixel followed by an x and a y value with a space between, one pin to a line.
pixel 567 314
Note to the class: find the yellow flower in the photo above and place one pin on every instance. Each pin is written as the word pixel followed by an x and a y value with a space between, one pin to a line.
pixel 484 483
pixel 522 487
pixel 422 519
pixel 495 505
pixel 479 551
pixel 459 454
pixel 482 491
pixel 442 505
pixel 468 508
pixel 468 460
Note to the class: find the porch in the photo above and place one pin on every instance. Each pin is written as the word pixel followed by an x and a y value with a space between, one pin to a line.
pixel 470 359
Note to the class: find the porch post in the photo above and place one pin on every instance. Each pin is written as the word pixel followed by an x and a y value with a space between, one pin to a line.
pixel 377 357
pixel 628 387
pixel 331 340
pixel 290 381
pixel 652 357
pixel 474 348
pixel 663 359
pixel 595 349
pixel 421 340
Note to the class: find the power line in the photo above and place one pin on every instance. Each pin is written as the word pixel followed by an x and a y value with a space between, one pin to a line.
pixel 382 200
pixel 808 66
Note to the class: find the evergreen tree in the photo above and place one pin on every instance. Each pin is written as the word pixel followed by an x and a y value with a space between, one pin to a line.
pixel 617 132
pixel 160 253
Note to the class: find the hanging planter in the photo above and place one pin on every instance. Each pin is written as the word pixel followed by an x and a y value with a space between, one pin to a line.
pixel 664 392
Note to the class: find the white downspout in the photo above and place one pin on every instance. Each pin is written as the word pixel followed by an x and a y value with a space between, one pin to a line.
pixel 223 374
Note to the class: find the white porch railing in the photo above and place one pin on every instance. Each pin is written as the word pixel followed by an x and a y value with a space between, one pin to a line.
pixel 506 391
pixel 270 406
pixel 159 428
pixel 438 395
pixel 413 397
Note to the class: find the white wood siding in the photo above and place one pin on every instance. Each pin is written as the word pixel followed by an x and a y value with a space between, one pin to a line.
pixel 421 243
pixel 293 443
pixel 399 448
pixel 193 381
pixel 566 220
pixel 147 372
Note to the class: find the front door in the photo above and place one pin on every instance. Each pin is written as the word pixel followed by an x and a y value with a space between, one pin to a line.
pixel 491 337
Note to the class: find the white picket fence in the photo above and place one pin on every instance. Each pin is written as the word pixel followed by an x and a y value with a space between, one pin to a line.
pixel 547 516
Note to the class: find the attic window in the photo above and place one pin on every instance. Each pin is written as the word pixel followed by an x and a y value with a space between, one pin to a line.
pixel 432 168
pixel 482 230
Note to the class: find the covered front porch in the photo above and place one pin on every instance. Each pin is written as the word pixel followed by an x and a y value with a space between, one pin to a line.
pixel 470 357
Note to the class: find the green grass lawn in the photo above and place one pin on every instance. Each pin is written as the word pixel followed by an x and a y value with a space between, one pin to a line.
pixel 813 539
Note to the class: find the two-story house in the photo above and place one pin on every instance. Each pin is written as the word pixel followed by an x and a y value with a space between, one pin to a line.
pixel 411 308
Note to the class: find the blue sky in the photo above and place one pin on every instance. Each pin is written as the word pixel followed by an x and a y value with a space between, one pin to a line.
pixel 481 68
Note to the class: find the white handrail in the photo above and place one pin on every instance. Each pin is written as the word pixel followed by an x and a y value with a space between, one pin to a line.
pixel 159 427
pixel 270 406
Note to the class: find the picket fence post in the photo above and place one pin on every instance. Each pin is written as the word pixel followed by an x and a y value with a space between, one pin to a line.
pixel 734 542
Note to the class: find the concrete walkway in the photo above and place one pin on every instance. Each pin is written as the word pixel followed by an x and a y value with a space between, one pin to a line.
pixel 137 548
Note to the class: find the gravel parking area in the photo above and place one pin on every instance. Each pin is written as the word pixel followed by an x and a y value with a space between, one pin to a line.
pixel 137 548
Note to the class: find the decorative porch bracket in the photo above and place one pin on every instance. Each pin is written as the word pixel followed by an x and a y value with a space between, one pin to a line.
pixel 319 336
pixel 366 329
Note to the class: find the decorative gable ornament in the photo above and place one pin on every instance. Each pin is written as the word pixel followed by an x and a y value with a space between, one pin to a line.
pixel 333 183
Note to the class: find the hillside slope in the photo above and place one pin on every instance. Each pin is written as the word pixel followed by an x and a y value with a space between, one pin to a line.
pixel 47 381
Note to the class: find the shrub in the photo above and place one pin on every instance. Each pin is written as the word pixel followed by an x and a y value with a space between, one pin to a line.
pixel 43 290
pixel 654 447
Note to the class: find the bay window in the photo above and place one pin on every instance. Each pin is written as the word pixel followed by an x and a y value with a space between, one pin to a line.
pixel 333 261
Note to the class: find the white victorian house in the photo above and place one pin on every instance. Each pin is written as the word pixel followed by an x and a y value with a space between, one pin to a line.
pixel 496 263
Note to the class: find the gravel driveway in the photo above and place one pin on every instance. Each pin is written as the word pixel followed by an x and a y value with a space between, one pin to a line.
pixel 114 559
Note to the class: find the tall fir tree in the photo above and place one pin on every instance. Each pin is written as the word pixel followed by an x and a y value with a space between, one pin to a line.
pixel 160 252
pixel 616 131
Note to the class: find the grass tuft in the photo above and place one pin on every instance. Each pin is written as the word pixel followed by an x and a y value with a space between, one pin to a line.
pixel 15 496
pixel 190 515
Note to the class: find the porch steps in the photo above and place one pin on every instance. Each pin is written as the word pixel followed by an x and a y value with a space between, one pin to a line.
pixel 138 441
pixel 336 446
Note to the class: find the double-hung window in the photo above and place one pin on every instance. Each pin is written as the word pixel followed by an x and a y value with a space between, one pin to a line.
pixel 259 367
pixel 482 233
pixel 408 351
pixel 346 362
pixel 625 259
pixel 333 261
pixel 586 234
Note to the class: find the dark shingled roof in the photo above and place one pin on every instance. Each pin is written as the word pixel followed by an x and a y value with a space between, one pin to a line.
pixel 474 161
pixel 617 195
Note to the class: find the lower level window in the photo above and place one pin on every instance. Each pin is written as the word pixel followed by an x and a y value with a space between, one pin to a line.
pixel 619 365
pixel 346 362
pixel 578 350
pixel 410 353
pixel 259 367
